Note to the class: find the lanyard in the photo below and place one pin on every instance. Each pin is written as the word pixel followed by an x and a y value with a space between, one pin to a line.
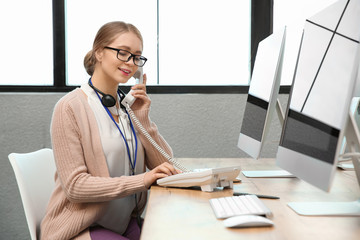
pixel 132 163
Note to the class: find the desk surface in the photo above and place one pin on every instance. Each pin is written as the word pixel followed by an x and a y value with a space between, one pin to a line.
pixel 174 213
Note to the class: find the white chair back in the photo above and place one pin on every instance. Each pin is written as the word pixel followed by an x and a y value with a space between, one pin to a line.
pixel 34 173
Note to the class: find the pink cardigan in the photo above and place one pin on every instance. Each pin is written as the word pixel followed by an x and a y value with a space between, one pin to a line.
pixel 83 186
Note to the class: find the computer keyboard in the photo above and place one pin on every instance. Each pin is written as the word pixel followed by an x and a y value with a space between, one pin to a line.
pixel 225 207
pixel 208 179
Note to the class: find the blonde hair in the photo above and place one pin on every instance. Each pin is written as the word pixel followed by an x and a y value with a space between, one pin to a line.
pixel 106 34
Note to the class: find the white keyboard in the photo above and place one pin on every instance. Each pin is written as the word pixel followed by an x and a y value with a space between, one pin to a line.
pixel 226 207
pixel 208 179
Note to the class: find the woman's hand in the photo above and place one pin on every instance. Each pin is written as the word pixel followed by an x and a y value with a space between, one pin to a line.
pixel 142 101
pixel 161 171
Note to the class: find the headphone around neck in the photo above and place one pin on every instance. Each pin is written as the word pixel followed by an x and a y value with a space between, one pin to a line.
pixel 107 100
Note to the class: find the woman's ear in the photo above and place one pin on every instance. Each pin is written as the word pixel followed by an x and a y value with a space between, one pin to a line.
pixel 99 55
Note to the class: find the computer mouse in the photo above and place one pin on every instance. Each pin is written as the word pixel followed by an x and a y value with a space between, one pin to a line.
pixel 247 221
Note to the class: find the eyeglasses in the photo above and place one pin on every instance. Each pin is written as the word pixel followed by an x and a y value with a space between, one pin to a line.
pixel 126 56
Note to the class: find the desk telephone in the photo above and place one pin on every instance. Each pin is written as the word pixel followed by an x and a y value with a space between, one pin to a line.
pixel 207 179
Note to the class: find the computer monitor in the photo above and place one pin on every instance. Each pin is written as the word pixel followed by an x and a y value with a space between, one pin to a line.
pixel 263 94
pixel 318 116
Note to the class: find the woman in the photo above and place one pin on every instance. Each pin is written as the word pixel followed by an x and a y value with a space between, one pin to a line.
pixel 101 183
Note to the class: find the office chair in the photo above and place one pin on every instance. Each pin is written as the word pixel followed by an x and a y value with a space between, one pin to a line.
pixel 34 173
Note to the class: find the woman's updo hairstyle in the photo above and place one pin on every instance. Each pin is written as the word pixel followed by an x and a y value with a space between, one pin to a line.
pixel 106 35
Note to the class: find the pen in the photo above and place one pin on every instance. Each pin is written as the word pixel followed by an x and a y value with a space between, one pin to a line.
pixel 258 195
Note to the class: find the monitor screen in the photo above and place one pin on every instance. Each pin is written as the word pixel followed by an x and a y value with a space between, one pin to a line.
pixel 321 94
pixel 263 93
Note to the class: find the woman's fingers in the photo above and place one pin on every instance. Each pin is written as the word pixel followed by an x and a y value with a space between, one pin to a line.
pixel 167 168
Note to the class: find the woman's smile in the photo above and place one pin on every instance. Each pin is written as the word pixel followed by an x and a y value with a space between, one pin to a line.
pixel 125 71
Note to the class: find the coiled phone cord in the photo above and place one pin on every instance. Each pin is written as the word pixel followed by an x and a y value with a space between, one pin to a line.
pixel 152 141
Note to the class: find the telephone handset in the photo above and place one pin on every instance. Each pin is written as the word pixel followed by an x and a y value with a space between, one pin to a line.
pixel 130 99
pixel 127 102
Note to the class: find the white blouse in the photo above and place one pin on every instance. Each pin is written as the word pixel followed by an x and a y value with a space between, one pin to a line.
pixel 119 211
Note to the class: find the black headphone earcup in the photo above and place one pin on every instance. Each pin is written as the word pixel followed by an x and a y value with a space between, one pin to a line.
pixel 108 100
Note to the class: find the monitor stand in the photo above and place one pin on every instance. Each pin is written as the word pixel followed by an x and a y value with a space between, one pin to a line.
pixel 344 162
pixel 271 173
pixel 337 208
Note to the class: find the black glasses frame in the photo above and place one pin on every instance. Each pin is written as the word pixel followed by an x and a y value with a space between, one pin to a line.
pixel 133 56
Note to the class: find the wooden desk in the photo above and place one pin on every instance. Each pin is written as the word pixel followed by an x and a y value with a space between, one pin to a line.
pixel 186 214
